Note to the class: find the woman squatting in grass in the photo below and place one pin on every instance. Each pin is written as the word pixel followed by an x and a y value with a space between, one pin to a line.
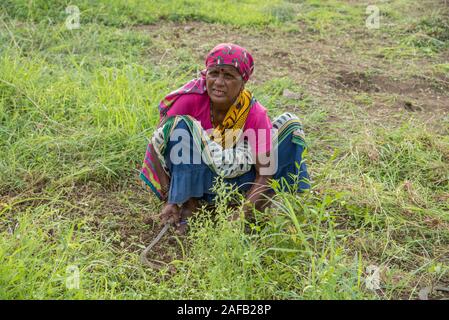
pixel 213 126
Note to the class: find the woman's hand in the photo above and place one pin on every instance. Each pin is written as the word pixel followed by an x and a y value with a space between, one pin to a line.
pixel 170 214
pixel 256 196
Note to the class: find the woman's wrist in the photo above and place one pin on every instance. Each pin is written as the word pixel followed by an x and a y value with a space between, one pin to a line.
pixel 164 191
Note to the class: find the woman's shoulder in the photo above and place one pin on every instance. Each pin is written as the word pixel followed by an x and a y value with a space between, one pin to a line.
pixel 191 99
pixel 188 104
pixel 258 116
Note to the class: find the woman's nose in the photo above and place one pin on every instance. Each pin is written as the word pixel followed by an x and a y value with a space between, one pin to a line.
pixel 220 79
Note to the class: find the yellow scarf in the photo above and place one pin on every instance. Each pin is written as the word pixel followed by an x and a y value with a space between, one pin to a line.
pixel 228 132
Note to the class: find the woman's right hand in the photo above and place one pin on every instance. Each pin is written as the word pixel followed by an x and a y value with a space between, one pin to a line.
pixel 170 214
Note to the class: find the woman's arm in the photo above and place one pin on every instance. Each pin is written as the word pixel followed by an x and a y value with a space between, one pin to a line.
pixel 256 196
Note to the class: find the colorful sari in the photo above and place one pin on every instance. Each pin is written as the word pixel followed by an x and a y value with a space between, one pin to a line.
pixel 228 163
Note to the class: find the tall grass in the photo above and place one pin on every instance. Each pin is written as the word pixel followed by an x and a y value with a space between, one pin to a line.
pixel 123 13
pixel 77 107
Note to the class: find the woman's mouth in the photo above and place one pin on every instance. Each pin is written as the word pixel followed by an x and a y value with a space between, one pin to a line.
pixel 218 93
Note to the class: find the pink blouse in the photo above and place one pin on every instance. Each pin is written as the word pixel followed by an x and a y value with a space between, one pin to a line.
pixel 198 106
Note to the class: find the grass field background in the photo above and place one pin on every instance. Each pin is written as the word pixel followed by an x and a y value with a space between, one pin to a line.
pixel 77 107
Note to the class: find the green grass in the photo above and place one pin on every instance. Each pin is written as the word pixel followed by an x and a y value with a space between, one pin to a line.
pixel 77 107
pixel 125 13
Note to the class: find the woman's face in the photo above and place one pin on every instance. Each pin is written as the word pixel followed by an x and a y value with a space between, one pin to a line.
pixel 223 84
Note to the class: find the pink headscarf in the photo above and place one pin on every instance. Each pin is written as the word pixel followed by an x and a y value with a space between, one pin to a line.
pixel 234 55
pixel 222 54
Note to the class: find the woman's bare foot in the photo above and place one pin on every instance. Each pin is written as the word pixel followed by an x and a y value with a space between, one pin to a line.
pixel 170 214
pixel 186 211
